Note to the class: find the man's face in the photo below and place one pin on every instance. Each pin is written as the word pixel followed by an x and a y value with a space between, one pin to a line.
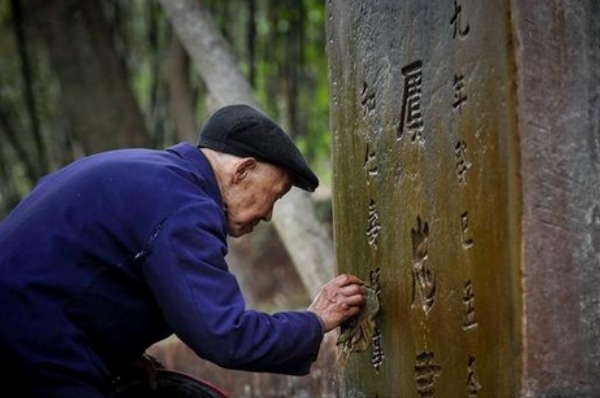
pixel 255 189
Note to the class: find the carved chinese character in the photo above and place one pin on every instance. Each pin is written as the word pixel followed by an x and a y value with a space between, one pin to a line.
pixel 358 332
pixel 425 374
pixel 459 96
pixel 467 239
pixel 370 163
pixel 373 224
pixel 374 277
pixel 473 385
pixel 462 163
pixel 469 321
pixel 423 277
pixel 377 356
pixel 412 116
pixel 460 31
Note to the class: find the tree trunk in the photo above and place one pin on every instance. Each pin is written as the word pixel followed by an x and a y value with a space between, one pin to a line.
pixel 98 101
pixel 181 96
pixel 210 52
pixel 307 242
pixel 28 81
pixel 311 250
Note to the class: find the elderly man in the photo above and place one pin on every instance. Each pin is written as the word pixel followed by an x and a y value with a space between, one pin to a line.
pixel 118 250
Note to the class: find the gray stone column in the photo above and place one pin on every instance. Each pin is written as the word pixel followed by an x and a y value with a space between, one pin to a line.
pixel 466 144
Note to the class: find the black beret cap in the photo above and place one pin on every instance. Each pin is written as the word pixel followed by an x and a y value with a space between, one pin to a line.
pixel 243 131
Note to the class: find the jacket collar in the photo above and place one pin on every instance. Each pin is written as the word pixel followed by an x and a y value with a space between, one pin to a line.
pixel 200 165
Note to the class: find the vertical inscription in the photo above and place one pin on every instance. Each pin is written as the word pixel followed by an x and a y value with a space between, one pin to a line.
pixel 359 332
pixel 462 163
pixel 423 277
pixel 378 355
pixel 374 226
pixel 469 320
pixel 473 385
pixel 460 29
pixel 459 95
pixel 412 116
pixel 467 239
pixel 426 371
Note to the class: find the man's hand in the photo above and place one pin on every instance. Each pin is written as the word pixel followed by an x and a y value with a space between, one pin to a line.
pixel 339 300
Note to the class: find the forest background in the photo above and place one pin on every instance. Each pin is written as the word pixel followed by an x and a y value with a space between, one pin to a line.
pixel 81 77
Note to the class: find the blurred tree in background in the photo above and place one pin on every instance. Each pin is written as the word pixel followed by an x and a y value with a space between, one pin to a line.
pixel 79 77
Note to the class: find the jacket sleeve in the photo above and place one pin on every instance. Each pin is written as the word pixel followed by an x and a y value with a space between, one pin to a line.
pixel 203 304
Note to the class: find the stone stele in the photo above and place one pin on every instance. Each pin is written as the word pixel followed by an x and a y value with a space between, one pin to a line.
pixel 466 154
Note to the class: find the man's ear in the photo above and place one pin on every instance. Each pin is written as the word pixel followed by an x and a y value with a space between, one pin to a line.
pixel 244 166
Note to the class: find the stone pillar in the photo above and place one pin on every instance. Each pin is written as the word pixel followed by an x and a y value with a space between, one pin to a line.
pixel 466 146
pixel 557 53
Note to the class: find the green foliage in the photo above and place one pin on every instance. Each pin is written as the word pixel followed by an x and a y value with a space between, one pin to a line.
pixel 290 67
pixel 280 46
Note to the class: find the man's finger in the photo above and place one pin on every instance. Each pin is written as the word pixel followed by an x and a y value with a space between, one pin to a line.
pixel 352 289
pixel 356 300
pixel 346 279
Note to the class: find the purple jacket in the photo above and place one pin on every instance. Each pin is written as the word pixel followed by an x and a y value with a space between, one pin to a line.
pixel 117 251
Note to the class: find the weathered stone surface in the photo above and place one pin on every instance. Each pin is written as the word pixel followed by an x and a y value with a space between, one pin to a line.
pixel 467 185
pixel 558 86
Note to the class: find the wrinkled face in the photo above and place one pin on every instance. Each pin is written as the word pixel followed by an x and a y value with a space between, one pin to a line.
pixel 255 188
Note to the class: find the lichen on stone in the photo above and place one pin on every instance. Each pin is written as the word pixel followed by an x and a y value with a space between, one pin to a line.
pixel 356 334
